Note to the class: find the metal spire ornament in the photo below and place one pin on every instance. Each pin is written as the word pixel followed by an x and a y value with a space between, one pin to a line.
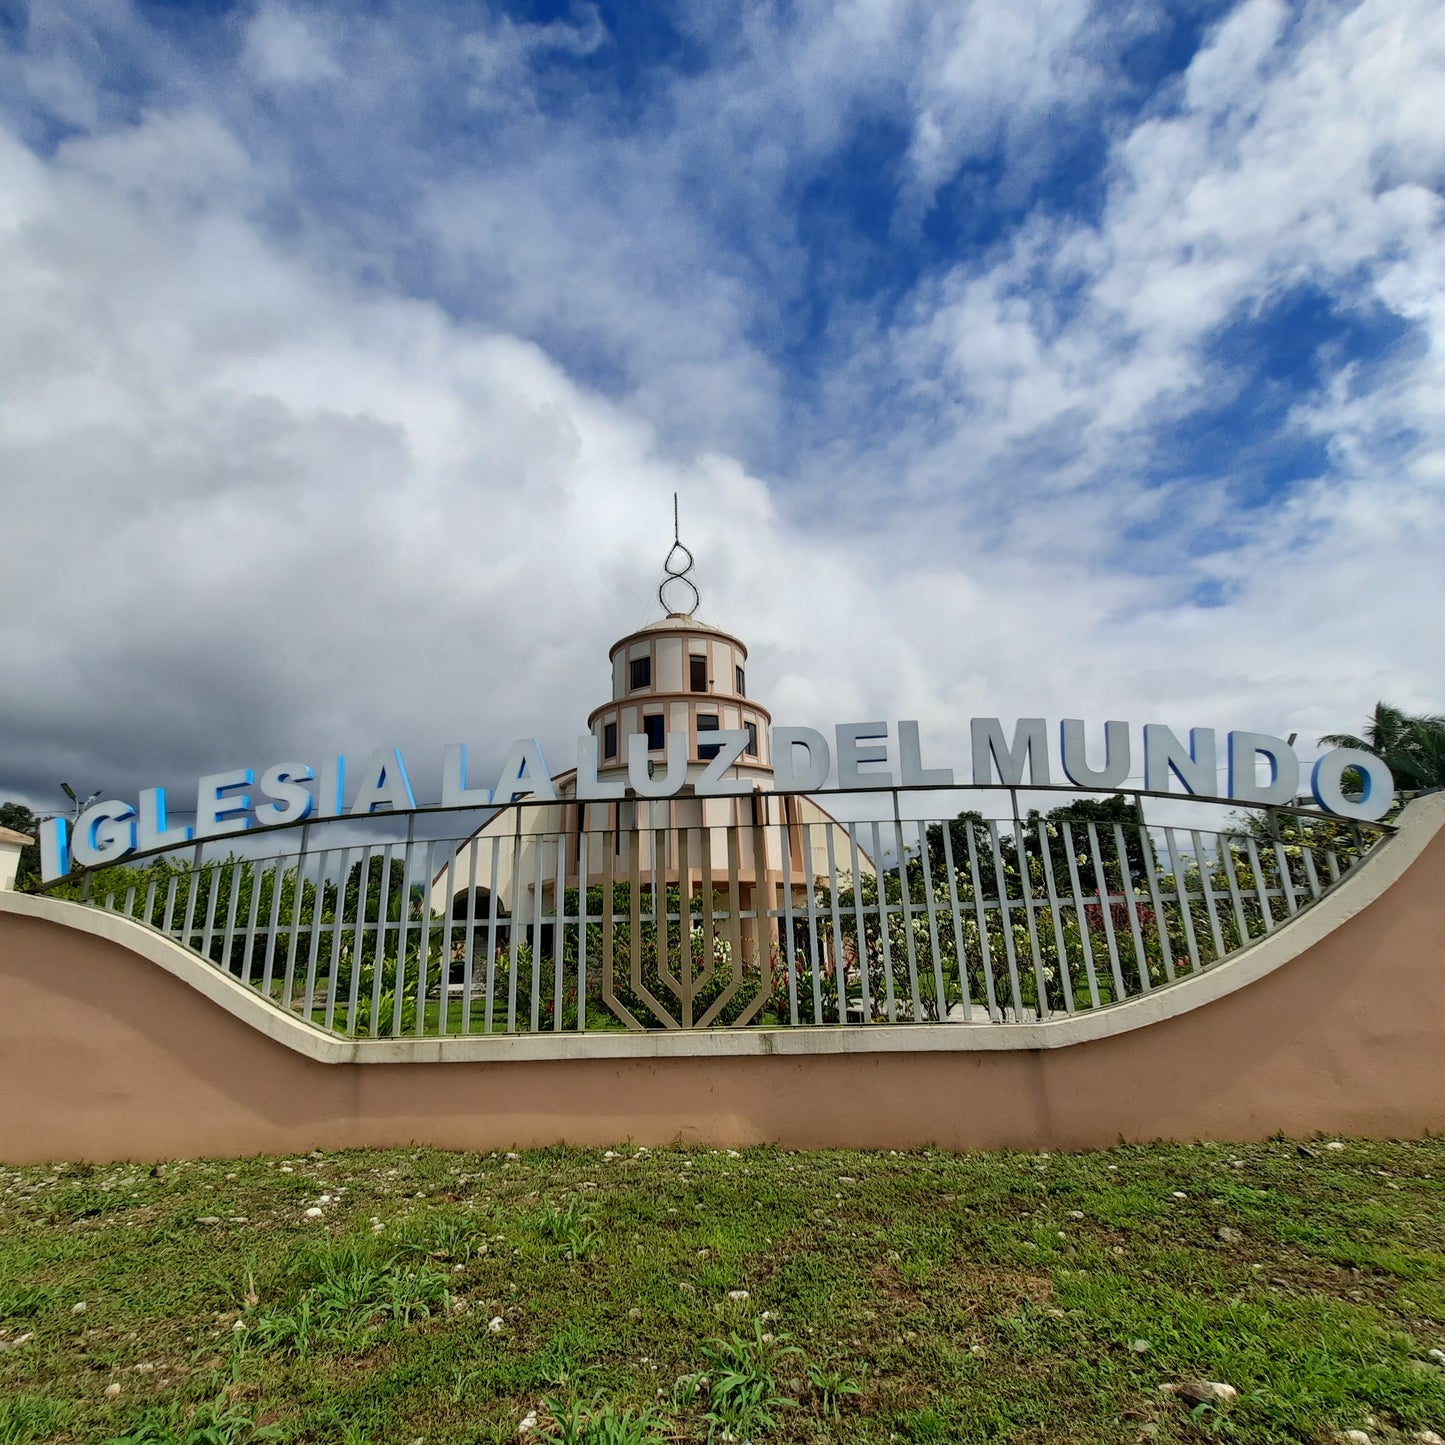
pixel 676 573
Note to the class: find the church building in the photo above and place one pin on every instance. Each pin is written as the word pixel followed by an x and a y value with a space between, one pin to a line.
pixel 677 683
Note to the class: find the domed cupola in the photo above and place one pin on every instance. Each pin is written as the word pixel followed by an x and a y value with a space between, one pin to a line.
pixel 680 675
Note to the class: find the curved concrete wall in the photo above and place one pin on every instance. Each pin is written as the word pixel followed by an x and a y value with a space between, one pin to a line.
pixel 115 1044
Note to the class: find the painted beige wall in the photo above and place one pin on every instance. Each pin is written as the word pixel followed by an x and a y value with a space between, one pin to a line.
pixel 105 1055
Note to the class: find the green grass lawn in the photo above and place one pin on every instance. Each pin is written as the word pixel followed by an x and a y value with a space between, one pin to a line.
pixel 687 1295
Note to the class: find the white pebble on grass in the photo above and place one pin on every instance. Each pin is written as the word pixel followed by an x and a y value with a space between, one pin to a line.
pixel 738 1294
pixel 112 1390
pixel 78 1308
pixel 315 1212
pixel 495 1324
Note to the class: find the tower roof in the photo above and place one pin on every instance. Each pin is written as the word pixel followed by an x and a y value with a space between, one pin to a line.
pixel 678 622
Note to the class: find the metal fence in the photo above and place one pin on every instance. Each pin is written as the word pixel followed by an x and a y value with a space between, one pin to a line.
pixel 658 915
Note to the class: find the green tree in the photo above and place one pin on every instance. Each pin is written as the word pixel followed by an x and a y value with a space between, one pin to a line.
pixel 1412 746
pixel 22 820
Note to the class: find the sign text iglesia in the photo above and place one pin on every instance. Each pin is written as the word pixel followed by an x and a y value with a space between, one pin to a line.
pixel 860 755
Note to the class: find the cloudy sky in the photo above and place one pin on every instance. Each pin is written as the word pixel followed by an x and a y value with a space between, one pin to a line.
pixel 1012 358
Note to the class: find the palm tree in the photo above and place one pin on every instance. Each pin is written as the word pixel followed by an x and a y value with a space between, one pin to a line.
pixel 1412 747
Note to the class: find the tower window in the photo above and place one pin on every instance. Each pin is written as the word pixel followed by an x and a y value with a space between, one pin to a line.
pixel 707 723
pixel 652 726
pixel 698 668
pixel 742 680
pixel 640 672
pixel 609 740
pixel 752 746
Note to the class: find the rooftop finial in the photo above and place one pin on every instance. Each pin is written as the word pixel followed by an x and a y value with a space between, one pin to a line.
pixel 677 574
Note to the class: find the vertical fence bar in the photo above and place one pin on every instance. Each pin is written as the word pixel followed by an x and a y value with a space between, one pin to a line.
pixel 258 877
pixel 880 872
pixel 1181 892
pixel 687 973
pixel 1081 915
pixel 403 909
pixel 954 912
pixel 931 906
pixel 860 931
pixel 1206 884
pixel 173 882
pixel 584 904
pixel 423 947
pixel 492 934
pixel 292 941
pixel 1041 989
pixel 1126 887
pixel 534 1013
pixel 358 946
pixel 317 924
pixel 815 963
pixel 1161 921
pixel 238 871
pixel 657 908
pixel 840 970
pixel 735 895
pixel 383 922
pixel 1266 913
pixel 709 922
pixel 1106 911
pixel 1226 856
pixel 559 899
pixel 634 899
pixel 1066 984
pixel 761 911
pixel 333 968
pixel 514 931
pixel 1312 877
pixel 213 896
pixel 474 847
pixel 1006 922
pixel 193 883
pixel 985 947
pixel 1286 882
pixel 790 947
pixel 447 878
pixel 915 1003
